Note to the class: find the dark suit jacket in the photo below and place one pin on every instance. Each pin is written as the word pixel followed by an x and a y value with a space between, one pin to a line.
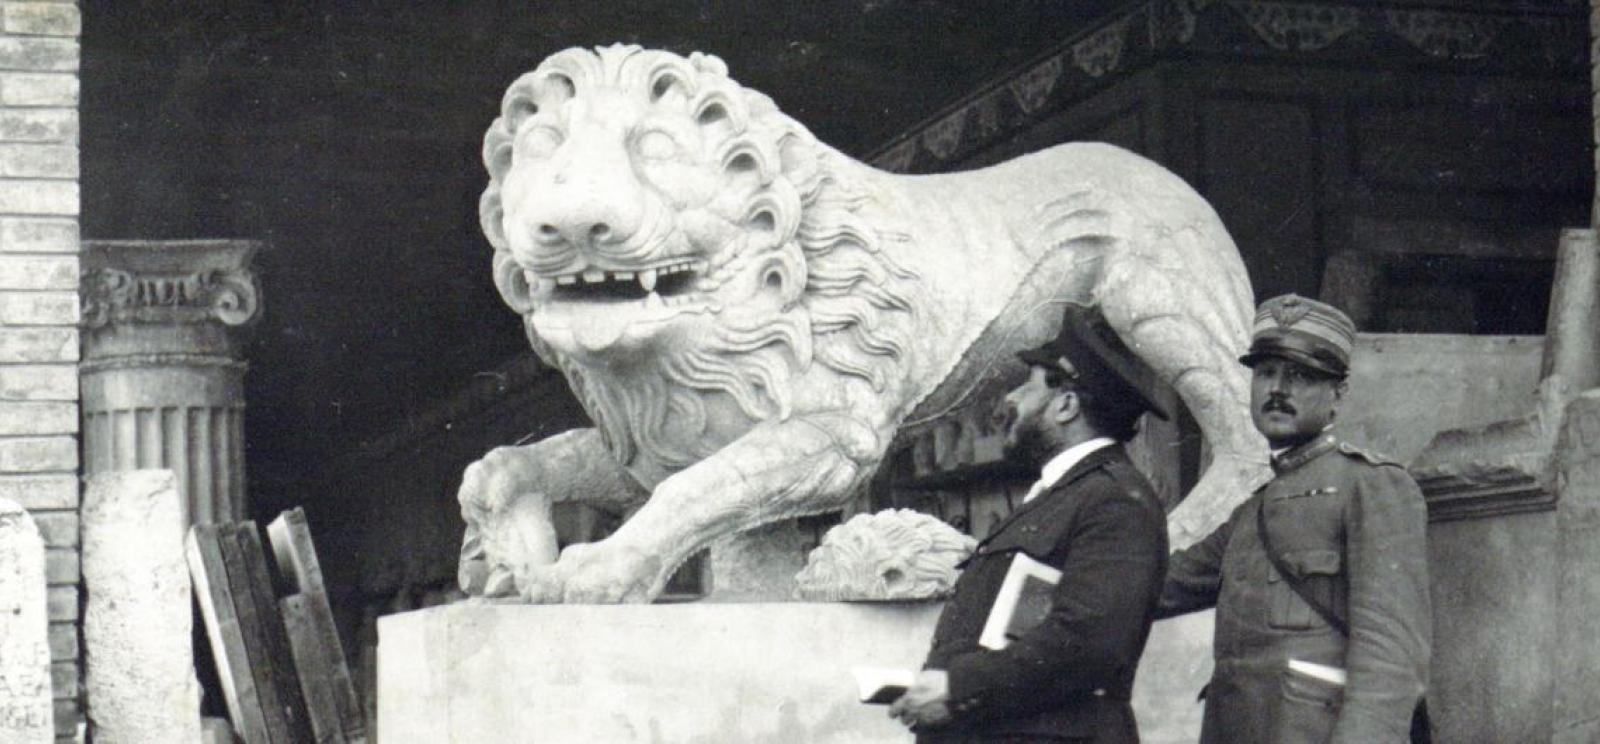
pixel 1071 677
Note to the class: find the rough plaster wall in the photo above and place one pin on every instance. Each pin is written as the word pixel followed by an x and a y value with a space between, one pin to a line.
pixel 39 305
pixel 1406 387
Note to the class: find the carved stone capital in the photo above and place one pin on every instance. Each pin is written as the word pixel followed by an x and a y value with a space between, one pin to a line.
pixel 169 282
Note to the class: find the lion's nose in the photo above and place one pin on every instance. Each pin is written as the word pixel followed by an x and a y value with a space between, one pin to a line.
pixel 576 232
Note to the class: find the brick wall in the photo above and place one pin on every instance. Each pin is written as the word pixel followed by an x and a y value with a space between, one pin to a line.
pixel 39 306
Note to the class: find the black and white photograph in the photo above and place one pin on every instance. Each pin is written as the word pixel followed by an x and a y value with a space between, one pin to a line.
pixel 843 372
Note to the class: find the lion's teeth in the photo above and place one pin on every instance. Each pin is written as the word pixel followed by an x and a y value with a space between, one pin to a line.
pixel 625 276
pixel 647 280
pixel 652 301
pixel 594 276
pixel 567 279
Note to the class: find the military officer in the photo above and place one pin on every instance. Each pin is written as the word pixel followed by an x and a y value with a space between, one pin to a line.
pixel 1091 515
pixel 1320 579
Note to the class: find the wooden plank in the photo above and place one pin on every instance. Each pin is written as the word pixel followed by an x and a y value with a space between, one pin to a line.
pixel 316 678
pixel 320 655
pixel 261 665
pixel 213 592
pixel 290 535
pixel 280 659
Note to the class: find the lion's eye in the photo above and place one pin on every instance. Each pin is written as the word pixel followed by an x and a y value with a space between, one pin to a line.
pixel 657 145
pixel 539 142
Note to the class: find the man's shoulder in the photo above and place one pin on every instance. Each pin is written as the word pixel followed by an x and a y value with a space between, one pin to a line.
pixel 1367 456
pixel 1112 479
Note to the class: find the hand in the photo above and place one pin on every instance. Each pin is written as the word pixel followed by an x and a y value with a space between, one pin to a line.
pixel 926 703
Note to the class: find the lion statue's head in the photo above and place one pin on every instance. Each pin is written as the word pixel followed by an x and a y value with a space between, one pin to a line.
pixel 895 554
pixel 680 248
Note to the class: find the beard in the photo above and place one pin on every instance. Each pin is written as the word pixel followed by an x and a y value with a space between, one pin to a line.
pixel 1025 443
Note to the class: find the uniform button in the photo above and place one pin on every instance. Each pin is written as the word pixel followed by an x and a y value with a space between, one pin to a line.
pixel 1100 692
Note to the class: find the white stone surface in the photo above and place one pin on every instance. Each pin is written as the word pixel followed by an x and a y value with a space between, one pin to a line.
pixel 696 673
pixel 663 674
pixel 752 318
pixel 138 619
pixel 26 712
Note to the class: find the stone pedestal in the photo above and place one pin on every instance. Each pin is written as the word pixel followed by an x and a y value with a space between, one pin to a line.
pixel 138 620
pixel 26 714
pixel 163 381
pixel 703 672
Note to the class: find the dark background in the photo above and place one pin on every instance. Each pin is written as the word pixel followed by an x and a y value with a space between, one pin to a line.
pixel 348 135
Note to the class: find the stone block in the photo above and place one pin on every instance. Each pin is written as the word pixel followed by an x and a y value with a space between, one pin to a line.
pixel 59 529
pixel 138 616
pixel 64 679
pixel 63 641
pixel 671 673
pixel 69 715
pixel 38 196
pixel 26 160
pixel 770 671
pixel 39 308
pixel 44 491
pixel 62 603
pixel 62 566
pixel 41 19
pixel 39 382
pixel 26 713
pixel 37 272
pixel 38 454
pixel 38 89
pixel 28 417
pixel 59 125
pixel 38 345
pixel 39 235
pixel 38 54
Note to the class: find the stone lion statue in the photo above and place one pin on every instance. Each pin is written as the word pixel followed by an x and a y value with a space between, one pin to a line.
pixel 895 554
pixel 752 318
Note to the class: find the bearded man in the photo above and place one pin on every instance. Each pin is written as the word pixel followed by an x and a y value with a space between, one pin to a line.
pixel 1092 516
pixel 1320 579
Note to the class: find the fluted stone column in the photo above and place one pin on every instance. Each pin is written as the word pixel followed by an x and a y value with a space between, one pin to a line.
pixel 162 377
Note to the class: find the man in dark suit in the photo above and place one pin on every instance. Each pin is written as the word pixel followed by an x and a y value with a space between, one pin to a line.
pixel 1092 516
pixel 1320 579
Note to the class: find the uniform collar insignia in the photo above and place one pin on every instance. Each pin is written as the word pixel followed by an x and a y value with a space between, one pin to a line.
pixel 1304 453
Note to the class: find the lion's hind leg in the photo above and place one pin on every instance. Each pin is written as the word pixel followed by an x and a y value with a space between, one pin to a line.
pixel 1181 325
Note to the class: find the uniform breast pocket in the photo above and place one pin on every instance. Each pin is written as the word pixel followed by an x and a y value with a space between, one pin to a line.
pixel 1319 572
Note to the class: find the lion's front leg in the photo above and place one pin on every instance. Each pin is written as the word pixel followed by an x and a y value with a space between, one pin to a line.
pixel 807 464
pixel 506 500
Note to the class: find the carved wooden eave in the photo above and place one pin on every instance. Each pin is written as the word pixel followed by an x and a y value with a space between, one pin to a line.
pixel 1538 37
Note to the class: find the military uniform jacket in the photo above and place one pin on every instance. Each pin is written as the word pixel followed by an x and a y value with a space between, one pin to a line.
pixel 1070 678
pixel 1353 526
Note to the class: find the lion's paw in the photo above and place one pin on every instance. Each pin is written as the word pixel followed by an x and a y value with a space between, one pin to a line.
pixel 593 573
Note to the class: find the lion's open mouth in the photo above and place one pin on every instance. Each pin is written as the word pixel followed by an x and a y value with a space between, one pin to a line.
pixel 667 281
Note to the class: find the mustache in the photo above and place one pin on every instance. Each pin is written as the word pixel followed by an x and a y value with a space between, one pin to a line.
pixel 1278 403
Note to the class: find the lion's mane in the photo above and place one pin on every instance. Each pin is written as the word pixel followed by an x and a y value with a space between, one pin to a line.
pixel 895 554
pixel 851 315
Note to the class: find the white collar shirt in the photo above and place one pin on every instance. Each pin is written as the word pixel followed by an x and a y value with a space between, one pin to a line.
pixel 1058 466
